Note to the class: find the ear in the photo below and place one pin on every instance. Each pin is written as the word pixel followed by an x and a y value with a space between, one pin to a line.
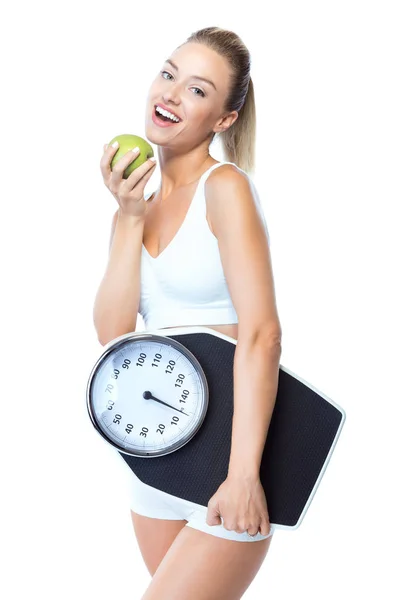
pixel 225 122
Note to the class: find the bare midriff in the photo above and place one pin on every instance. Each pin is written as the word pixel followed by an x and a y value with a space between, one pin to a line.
pixel 230 329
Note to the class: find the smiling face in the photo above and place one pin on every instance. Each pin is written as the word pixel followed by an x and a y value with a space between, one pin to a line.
pixel 199 104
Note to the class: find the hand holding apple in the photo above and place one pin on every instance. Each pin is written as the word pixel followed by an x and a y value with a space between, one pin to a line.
pixel 128 192
pixel 128 142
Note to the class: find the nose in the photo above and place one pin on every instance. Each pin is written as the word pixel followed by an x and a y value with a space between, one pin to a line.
pixel 172 94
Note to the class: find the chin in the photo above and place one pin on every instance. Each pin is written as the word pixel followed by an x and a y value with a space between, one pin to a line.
pixel 154 135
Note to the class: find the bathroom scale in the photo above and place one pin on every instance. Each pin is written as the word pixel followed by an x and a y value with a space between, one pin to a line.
pixel 164 399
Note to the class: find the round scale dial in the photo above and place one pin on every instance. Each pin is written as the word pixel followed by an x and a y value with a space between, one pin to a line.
pixel 147 395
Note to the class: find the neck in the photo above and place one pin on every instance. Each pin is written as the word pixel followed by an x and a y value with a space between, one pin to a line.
pixel 179 170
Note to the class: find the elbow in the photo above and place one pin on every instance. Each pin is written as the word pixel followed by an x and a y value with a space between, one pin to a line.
pixel 266 336
pixel 107 331
pixel 105 337
pixel 273 340
pixel 267 343
pixel 272 337
pixel 103 341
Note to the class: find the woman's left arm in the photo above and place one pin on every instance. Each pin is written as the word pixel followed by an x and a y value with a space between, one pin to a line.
pixel 256 371
pixel 246 260
pixel 245 256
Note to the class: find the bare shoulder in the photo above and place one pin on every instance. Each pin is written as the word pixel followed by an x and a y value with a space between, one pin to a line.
pixel 227 178
pixel 228 186
pixel 226 172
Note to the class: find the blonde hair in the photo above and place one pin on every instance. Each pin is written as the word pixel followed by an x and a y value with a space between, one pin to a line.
pixel 239 140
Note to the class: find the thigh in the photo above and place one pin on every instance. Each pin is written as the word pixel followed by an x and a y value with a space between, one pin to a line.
pixel 201 566
pixel 155 536
pixel 157 519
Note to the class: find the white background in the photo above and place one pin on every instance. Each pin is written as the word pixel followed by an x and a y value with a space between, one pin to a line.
pixel 326 77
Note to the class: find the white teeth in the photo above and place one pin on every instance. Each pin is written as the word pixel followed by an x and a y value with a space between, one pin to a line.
pixel 166 113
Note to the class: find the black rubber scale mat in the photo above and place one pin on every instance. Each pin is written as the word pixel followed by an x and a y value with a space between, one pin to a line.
pixel 304 429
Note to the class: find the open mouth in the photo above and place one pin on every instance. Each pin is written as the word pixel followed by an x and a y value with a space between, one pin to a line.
pixel 163 118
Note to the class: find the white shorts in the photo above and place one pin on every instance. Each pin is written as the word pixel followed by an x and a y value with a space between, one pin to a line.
pixel 151 502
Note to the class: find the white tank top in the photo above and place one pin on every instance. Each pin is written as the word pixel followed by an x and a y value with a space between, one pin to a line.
pixel 185 284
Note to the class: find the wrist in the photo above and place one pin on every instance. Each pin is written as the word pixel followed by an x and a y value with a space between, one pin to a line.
pixel 243 472
pixel 128 218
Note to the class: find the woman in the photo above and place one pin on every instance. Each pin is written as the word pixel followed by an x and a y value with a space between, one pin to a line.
pixel 197 253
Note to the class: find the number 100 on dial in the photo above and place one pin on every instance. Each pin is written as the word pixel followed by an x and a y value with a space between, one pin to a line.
pixel 147 395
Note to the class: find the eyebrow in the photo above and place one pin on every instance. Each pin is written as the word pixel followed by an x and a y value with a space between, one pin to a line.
pixel 193 76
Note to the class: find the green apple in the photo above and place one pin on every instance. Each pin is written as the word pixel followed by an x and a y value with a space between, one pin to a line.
pixel 126 143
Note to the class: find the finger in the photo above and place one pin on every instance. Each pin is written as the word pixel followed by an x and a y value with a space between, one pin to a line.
pixel 121 164
pixel 213 520
pixel 252 529
pixel 105 162
pixel 213 516
pixel 139 171
pixel 240 529
pixel 265 527
pixel 141 175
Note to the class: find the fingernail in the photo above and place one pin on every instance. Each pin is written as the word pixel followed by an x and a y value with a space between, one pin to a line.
pixel 153 158
pixel 114 145
pixel 135 149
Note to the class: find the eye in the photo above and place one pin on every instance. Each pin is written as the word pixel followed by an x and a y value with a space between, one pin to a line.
pixel 166 73
pixel 202 93
pixel 195 88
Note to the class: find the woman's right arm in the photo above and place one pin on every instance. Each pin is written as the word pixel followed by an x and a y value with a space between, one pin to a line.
pixel 117 301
